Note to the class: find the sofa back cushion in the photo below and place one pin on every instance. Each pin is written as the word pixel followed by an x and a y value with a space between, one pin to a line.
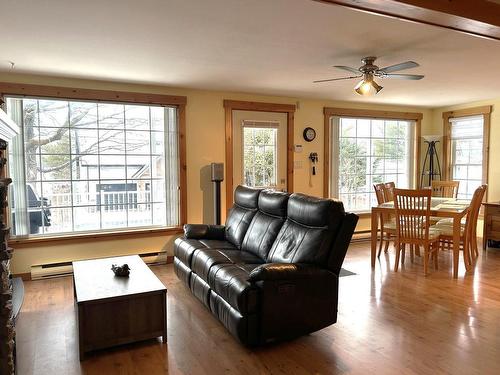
pixel 267 222
pixel 308 232
pixel 241 214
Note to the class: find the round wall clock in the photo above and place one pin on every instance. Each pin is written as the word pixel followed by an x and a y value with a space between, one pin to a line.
pixel 309 134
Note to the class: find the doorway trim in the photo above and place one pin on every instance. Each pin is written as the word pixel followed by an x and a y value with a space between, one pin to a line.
pixel 238 105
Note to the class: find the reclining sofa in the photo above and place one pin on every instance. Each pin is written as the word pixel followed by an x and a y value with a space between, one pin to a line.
pixel 271 272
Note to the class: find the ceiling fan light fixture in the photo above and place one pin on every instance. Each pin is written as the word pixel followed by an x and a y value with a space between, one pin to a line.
pixel 367 86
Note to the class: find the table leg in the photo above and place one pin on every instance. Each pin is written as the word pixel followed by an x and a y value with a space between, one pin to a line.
pixel 164 337
pixel 456 245
pixel 485 238
pixel 374 237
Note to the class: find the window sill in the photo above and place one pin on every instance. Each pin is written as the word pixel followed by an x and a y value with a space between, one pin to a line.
pixel 97 236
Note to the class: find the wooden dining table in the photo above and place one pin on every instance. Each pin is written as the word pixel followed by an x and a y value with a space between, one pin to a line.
pixel 440 207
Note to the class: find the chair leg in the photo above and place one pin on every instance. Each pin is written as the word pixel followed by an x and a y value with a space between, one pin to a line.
pixel 474 243
pixel 417 250
pixel 403 253
pixel 380 245
pixel 435 252
pixel 467 250
pixel 426 259
pixel 412 252
pixel 397 245
pixel 386 249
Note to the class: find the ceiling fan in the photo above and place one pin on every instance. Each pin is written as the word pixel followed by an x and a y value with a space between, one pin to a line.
pixel 367 86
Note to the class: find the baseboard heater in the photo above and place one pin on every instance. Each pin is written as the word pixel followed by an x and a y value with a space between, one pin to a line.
pixel 49 270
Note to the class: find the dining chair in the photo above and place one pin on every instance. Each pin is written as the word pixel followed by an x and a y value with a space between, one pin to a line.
pixel 388 191
pixel 387 223
pixel 445 189
pixel 468 229
pixel 412 209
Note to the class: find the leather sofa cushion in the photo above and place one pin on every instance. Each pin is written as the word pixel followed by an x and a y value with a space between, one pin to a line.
pixel 315 212
pixel 185 248
pixel 273 202
pixel 182 271
pixel 266 223
pixel 217 244
pixel 308 232
pixel 230 281
pixel 241 214
pixel 204 259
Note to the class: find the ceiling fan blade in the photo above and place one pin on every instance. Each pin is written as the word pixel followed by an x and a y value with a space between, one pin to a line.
pixel 348 68
pixel 336 79
pixel 414 77
pixel 401 66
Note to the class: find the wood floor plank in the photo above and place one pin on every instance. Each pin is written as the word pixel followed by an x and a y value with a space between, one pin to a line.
pixel 389 323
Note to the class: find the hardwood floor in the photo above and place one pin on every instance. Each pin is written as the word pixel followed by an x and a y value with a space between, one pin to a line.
pixel 389 323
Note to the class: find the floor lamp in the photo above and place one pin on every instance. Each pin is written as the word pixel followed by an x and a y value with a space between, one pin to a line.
pixel 431 168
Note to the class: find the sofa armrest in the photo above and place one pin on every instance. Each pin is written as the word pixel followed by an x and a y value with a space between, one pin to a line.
pixel 204 231
pixel 286 271
pixel 295 299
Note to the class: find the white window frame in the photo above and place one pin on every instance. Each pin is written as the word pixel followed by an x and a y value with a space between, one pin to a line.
pixel 334 124
pixel 485 112
pixel 172 193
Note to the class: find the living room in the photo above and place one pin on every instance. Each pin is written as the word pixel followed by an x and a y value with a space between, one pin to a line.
pixel 198 68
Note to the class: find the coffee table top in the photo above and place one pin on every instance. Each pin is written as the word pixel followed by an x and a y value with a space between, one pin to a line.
pixel 94 279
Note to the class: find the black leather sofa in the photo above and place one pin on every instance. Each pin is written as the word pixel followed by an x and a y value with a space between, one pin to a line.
pixel 271 273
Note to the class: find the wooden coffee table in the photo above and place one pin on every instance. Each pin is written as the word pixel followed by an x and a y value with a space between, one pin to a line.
pixel 118 310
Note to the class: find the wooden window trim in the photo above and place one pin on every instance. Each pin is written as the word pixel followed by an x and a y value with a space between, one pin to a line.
pixel 179 102
pixel 238 105
pixel 93 236
pixel 485 111
pixel 328 112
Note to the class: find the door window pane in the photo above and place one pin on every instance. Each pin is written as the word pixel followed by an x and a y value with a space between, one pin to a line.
pixel 260 155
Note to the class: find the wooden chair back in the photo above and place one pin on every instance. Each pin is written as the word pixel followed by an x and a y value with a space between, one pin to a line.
pixel 445 189
pixel 389 191
pixel 475 206
pixel 412 209
pixel 379 193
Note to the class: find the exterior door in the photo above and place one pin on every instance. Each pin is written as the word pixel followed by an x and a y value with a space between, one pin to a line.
pixel 260 149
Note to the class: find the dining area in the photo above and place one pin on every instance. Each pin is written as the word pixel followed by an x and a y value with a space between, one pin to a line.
pixel 424 222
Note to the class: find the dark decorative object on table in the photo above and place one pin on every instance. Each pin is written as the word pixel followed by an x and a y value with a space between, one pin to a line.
pixel 122 271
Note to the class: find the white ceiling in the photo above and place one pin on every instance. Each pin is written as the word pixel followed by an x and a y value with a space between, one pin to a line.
pixel 273 47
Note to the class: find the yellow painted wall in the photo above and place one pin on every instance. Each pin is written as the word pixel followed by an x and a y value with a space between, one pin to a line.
pixel 205 144
pixel 493 192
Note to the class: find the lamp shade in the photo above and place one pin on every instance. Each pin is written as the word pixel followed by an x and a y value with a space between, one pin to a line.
pixel 431 138
pixel 367 86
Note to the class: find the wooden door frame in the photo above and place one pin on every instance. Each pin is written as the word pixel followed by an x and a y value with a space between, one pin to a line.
pixel 238 105
pixel 485 111
pixel 328 112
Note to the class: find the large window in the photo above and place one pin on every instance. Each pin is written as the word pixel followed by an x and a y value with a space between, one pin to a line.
pixel 465 147
pixel 466 141
pixel 91 166
pixel 367 151
pixel 260 149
